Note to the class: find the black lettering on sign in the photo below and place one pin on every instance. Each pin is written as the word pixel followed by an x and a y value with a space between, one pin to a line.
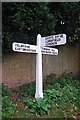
pixel 22 45
pixel 33 50
pixel 56 36
pixel 28 46
pixel 61 36
pixel 53 50
pixel 17 48
pixel 24 49
pixel 17 45
pixel 54 43
pixel 49 37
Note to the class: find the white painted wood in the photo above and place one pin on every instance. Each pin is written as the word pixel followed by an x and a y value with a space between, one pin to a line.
pixel 49 51
pixel 39 86
pixel 21 47
pixel 53 40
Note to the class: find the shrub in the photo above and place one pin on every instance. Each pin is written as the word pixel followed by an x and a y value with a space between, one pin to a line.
pixel 50 79
pixel 58 93
pixel 28 89
pixel 38 106
pixel 5 90
pixel 53 95
pixel 8 107
pixel 68 78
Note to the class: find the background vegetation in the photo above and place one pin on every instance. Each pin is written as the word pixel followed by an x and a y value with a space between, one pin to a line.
pixel 22 21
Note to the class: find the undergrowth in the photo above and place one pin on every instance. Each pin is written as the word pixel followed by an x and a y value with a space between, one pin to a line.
pixel 61 96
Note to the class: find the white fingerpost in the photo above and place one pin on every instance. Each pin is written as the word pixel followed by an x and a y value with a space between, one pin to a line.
pixel 39 86
pixel 40 49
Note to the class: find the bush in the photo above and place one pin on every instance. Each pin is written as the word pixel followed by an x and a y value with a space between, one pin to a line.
pixel 5 90
pixel 70 94
pixel 8 106
pixel 68 78
pixel 52 95
pixel 28 89
pixel 38 106
pixel 50 79
pixel 59 92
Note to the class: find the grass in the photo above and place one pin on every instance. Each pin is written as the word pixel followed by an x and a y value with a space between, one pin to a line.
pixel 61 99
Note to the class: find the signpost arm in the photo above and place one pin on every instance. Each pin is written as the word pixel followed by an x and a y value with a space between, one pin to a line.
pixel 39 86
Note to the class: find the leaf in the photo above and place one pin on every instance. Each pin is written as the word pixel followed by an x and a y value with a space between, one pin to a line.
pixel 45 108
pixel 48 105
pixel 30 103
pixel 33 110
pixel 34 106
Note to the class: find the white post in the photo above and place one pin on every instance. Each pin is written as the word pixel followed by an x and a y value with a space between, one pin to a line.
pixel 39 86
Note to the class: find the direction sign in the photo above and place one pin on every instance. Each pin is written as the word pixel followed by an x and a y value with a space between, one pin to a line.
pixel 53 40
pixel 21 47
pixel 49 51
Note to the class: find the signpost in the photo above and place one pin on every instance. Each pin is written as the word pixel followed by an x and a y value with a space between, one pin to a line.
pixel 49 51
pixel 53 40
pixel 21 47
pixel 39 50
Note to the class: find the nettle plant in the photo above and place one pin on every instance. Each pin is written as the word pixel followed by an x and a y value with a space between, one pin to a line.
pixel 38 106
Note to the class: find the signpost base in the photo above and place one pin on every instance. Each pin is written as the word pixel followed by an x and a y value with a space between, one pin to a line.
pixel 39 95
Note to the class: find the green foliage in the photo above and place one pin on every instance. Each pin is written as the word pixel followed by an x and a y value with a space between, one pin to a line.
pixel 68 78
pixel 24 21
pixel 71 94
pixel 38 106
pixel 53 95
pixel 61 95
pixel 28 89
pixel 50 80
pixel 8 106
pixel 69 14
pixel 5 89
